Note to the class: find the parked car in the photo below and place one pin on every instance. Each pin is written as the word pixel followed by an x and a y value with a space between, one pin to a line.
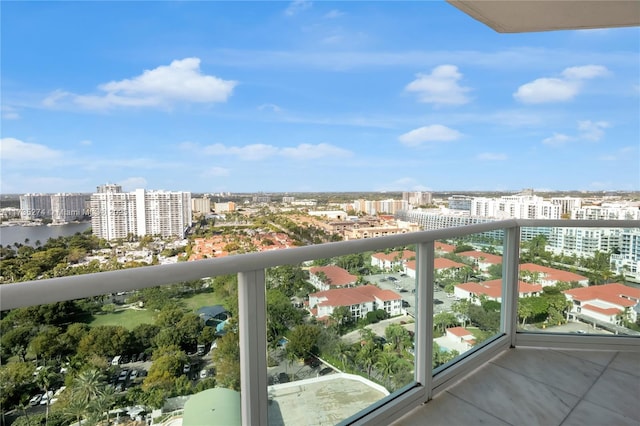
pixel 142 357
pixel 35 400
pixel 204 374
pixel 123 375
pixel 134 374
pixel 46 397
pixel 186 368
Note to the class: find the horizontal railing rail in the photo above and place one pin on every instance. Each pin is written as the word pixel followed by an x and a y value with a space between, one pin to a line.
pixel 16 295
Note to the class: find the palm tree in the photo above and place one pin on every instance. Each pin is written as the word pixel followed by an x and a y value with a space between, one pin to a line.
pixel 386 364
pixel 44 378
pixel 87 386
pixel 103 403
pixel 343 351
pixel 76 408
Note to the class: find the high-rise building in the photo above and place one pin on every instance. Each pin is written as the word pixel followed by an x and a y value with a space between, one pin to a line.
pixel 117 214
pixel 417 198
pixel 201 205
pixel 35 206
pixel 68 207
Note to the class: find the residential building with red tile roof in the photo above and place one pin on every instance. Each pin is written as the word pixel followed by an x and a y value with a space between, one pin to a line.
pixel 360 300
pixel 461 335
pixel 330 277
pixel 392 260
pixel 549 276
pixel 443 247
pixel 441 264
pixel 492 290
pixel 607 302
pixel 481 259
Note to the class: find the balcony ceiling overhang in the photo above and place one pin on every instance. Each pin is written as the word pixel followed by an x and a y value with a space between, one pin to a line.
pixel 518 16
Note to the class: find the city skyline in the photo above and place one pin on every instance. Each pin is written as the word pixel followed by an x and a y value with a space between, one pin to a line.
pixel 310 97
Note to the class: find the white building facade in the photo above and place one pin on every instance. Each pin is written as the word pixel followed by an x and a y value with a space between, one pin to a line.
pixel 118 214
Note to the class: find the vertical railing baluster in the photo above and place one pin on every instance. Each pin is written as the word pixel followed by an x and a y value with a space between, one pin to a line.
pixel 253 345
pixel 510 278
pixel 425 256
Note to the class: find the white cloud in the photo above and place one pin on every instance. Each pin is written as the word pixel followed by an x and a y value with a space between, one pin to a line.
pixel 307 151
pixel 563 89
pixel 248 152
pixel 585 72
pixel 17 150
pixel 133 183
pixel 269 107
pixel 440 87
pixel 491 156
pixel 297 6
pixel 257 152
pixel 332 14
pixel 547 90
pixel 591 130
pixel 557 139
pixel 433 133
pixel 86 142
pixel 607 158
pixel 181 81
pixel 587 130
pixel 9 113
pixel 215 172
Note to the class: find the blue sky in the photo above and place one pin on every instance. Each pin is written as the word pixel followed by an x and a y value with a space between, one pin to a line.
pixel 310 96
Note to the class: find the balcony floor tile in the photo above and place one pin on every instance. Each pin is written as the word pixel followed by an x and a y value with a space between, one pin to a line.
pixel 536 386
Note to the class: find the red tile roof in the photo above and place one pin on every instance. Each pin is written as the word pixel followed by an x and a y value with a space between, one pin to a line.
pixel 444 247
pixel 617 294
pixel 606 311
pixel 438 263
pixel 393 256
pixel 493 288
pixel 355 295
pixel 485 257
pixel 459 331
pixel 551 273
pixel 335 274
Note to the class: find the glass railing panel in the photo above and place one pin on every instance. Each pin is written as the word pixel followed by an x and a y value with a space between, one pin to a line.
pixel 163 352
pixel 339 337
pixel 467 294
pixel 579 281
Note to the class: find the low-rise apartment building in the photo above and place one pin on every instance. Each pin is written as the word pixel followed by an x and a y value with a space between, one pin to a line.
pixel 492 290
pixel 608 302
pixel 331 277
pixel 360 300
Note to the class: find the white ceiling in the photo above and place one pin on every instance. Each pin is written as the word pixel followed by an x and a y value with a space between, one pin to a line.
pixel 516 16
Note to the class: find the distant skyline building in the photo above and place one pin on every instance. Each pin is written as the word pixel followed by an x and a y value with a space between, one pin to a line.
pixel 418 198
pixel 117 214
pixel 460 202
pixel 68 207
pixel 201 205
pixel 35 206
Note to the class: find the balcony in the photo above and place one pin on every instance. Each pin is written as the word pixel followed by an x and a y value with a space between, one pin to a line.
pixel 512 376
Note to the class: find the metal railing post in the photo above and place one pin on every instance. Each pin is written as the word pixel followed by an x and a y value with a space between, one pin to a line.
pixel 510 269
pixel 425 255
pixel 252 313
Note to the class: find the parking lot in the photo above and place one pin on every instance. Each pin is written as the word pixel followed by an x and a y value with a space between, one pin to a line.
pixel 405 287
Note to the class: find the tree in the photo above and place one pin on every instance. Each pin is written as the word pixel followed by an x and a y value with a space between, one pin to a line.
pixel 443 320
pixel 168 362
pixel 303 340
pixel 227 360
pixel 398 336
pixel 385 365
pixel 45 379
pixel 281 315
pixel 341 317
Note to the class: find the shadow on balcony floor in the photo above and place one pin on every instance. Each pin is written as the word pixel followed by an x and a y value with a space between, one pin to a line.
pixel 531 386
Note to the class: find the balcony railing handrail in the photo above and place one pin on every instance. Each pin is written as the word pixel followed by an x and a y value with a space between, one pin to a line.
pixel 29 293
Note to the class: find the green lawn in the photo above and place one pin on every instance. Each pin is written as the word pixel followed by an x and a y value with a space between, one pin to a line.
pixel 130 318
pixel 127 318
pixel 197 301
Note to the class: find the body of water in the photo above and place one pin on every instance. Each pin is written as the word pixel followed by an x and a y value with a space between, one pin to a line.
pixel 17 234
